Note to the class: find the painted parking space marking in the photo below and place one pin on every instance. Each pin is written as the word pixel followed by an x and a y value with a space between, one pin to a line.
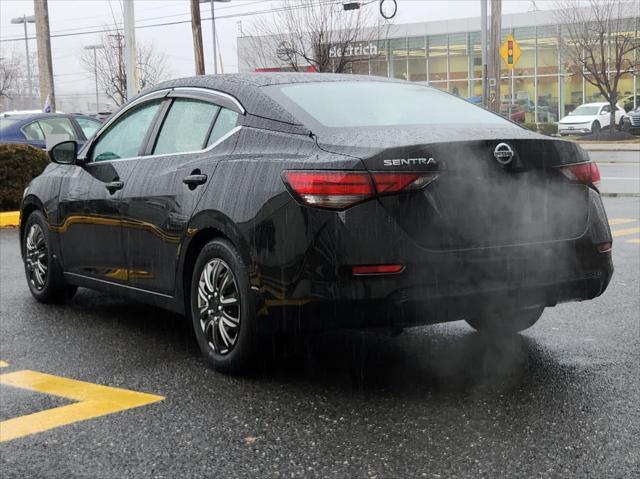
pixel 621 221
pixel 3 364
pixel 625 232
pixel 94 400
pixel 634 241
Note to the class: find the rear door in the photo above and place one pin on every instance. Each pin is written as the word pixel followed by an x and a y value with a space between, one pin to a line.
pixel 90 197
pixel 183 152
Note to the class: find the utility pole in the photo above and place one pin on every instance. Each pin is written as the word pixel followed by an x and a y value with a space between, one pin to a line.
pixel 494 55
pixel 213 32
pixel 95 70
pixel 196 29
pixel 130 48
pixel 45 66
pixel 24 20
pixel 483 46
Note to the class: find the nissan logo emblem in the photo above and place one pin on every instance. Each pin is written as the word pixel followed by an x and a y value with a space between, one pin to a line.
pixel 503 154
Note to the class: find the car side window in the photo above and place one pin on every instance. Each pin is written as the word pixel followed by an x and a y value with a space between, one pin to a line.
pixel 186 126
pixel 606 109
pixel 88 127
pixel 33 132
pixel 124 138
pixel 58 126
pixel 226 121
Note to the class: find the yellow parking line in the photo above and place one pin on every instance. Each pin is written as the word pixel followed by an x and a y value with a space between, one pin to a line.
pixel 634 241
pixel 94 401
pixel 3 364
pixel 625 232
pixel 621 221
pixel 9 219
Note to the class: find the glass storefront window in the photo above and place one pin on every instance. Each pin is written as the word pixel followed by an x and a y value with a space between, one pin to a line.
pixel 438 59
pixel 417 59
pixel 398 63
pixel 458 64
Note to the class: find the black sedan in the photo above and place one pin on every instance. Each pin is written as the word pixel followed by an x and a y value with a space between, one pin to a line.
pixel 260 202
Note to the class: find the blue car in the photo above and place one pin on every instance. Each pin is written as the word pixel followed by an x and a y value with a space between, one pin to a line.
pixel 33 129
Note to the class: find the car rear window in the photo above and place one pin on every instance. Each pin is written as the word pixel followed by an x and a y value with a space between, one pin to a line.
pixel 371 103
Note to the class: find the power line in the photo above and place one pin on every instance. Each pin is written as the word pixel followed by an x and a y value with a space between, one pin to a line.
pixel 177 22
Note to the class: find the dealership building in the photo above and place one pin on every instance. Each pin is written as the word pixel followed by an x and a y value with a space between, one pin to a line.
pixel 447 55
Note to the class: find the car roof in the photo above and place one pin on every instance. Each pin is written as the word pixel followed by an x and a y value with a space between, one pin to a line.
pixel 597 103
pixel 245 88
pixel 34 116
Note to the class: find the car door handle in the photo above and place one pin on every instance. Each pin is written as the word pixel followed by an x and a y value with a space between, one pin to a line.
pixel 194 180
pixel 114 186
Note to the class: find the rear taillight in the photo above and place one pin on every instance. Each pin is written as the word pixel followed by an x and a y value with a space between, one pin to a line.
pixel 342 189
pixel 587 173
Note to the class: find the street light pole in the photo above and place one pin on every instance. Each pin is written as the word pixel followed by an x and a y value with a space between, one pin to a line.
pixel 95 70
pixel 24 20
pixel 213 32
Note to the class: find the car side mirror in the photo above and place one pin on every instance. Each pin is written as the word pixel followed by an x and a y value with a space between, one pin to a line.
pixel 64 153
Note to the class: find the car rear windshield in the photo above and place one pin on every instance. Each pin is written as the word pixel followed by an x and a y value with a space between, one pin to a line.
pixel 371 103
pixel 585 111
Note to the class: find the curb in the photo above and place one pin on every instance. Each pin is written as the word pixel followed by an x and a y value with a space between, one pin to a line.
pixel 611 146
pixel 620 195
pixel 9 219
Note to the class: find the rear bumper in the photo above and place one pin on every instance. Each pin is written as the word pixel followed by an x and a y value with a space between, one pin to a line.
pixel 435 286
pixel 574 129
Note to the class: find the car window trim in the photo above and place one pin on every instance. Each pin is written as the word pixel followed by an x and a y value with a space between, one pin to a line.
pixel 84 154
pixel 211 127
pixel 234 104
pixel 158 127
pixel 128 111
pixel 213 96
pixel 229 134
pixel 149 142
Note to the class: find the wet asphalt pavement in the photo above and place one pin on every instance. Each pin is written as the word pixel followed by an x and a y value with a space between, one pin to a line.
pixel 560 400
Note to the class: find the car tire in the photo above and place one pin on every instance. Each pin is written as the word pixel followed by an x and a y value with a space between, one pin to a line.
pixel 44 274
pixel 595 127
pixel 226 331
pixel 506 323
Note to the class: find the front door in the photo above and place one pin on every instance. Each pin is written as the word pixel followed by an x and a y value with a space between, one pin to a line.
pixel 90 223
pixel 167 185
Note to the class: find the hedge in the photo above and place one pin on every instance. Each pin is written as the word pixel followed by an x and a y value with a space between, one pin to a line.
pixel 544 128
pixel 19 164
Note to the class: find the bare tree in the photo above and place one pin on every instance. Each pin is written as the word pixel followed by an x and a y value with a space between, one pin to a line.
pixel 308 33
pixel 10 71
pixel 110 66
pixel 600 40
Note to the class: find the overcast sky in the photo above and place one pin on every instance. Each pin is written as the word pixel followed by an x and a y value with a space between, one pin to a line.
pixel 73 16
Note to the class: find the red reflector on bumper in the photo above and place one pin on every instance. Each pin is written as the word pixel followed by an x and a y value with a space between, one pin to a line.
pixel 377 269
pixel 603 247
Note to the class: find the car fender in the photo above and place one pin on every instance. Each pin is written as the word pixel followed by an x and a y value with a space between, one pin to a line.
pixel 216 222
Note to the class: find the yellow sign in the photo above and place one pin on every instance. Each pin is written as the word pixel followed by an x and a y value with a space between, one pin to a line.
pixel 92 400
pixel 510 52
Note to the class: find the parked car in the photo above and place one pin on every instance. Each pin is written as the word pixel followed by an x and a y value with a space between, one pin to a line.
pixel 33 129
pixel 631 122
pixel 103 116
pixel 589 118
pixel 255 202
pixel 627 102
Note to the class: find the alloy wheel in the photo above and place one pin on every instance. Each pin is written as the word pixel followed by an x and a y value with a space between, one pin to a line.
pixel 36 258
pixel 219 306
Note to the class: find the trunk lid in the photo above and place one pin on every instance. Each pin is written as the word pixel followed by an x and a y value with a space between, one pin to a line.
pixel 481 197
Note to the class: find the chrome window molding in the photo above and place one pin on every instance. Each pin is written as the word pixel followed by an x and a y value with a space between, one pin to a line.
pixel 181 153
pixel 160 94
